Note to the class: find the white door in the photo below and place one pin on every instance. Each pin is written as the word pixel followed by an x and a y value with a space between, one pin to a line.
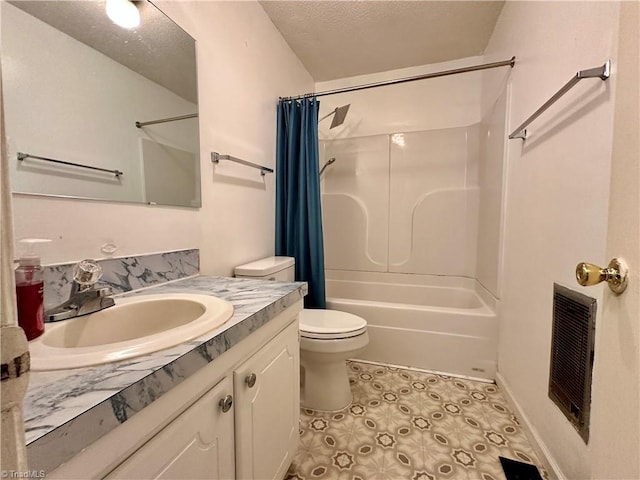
pixel 615 414
pixel 196 445
pixel 267 406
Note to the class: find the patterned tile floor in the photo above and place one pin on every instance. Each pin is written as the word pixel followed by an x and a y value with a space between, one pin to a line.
pixel 405 424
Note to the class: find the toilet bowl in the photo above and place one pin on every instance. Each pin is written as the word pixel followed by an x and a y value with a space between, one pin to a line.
pixel 327 339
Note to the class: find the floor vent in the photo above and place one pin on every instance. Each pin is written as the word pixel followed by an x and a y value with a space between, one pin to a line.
pixel 572 355
pixel 516 470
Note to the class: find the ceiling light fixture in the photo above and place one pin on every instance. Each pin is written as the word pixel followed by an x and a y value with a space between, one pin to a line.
pixel 123 13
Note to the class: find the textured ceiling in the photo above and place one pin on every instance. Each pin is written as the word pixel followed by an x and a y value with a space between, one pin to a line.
pixel 158 49
pixel 337 39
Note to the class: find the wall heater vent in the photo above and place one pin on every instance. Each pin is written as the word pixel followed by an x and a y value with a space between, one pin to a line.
pixel 572 355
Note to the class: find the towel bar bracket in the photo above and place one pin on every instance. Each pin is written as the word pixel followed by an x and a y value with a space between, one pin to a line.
pixel 216 157
pixel 603 72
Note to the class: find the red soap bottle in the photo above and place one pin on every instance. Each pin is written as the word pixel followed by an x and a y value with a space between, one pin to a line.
pixel 30 298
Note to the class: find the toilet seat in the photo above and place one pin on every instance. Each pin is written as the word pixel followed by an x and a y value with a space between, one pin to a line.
pixel 330 324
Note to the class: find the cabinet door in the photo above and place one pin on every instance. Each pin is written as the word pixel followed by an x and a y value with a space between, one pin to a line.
pixel 196 445
pixel 268 410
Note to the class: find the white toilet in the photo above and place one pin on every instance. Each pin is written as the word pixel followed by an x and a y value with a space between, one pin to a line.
pixel 327 339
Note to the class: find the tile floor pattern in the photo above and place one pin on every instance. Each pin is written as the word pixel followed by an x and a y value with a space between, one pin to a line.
pixel 412 425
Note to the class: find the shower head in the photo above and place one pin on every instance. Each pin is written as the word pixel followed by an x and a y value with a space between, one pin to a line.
pixel 329 162
pixel 339 115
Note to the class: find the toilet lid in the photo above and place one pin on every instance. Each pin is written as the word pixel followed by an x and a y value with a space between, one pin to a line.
pixel 330 324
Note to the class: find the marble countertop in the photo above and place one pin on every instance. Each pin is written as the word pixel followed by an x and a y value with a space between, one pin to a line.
pixel 66 410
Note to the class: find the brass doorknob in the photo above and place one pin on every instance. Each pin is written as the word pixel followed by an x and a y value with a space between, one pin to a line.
pixel 615 275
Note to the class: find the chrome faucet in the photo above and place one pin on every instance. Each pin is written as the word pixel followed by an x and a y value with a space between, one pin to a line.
pixel 84 298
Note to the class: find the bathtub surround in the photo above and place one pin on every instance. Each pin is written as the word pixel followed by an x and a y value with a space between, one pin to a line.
pixel 81 405
pixel 298 222
pixel 124 274
pixel 391 190
pixel 401 170
pixel 414 215
pixel 492 187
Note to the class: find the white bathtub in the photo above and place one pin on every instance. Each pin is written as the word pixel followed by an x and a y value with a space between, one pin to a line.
pixel 444 324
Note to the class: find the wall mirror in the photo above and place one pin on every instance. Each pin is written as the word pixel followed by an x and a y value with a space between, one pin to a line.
pixel 82 91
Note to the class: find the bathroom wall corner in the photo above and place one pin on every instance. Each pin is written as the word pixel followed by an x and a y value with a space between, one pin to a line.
pixel 542 450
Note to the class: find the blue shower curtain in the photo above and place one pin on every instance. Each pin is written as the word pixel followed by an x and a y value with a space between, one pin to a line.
pixel 298 211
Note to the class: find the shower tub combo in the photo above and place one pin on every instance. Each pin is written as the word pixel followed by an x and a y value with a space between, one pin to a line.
pixel 442 324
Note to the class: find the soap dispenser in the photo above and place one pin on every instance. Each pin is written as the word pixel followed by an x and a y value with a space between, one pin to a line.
pixel 30 290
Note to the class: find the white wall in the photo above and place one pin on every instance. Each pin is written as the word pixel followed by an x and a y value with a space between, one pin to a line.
pixel 81 106
pixel 243 66
pixel 557 193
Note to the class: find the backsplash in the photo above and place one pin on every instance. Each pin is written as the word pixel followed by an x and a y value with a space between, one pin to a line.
pixel 124 274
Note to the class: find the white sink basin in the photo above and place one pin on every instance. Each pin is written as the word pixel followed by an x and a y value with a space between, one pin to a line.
pixel 134 326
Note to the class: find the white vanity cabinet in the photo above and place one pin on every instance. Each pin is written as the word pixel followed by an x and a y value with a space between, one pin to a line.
pixel 267 406
pixel 236 418
pixel 264 406
pixel 196 445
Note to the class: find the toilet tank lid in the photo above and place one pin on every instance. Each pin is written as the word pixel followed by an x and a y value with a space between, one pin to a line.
pixel 264 266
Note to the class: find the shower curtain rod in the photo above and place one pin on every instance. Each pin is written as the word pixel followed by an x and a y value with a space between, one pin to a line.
pixel 444 73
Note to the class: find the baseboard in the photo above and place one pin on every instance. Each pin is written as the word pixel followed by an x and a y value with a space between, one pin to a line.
pixel 543 453
pixel 423 370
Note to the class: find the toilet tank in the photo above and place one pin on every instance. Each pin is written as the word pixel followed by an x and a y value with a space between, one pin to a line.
pixel 270 268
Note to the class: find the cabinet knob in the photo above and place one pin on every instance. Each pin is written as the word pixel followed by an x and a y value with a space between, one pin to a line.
pixel 226 403
pixel 250 380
